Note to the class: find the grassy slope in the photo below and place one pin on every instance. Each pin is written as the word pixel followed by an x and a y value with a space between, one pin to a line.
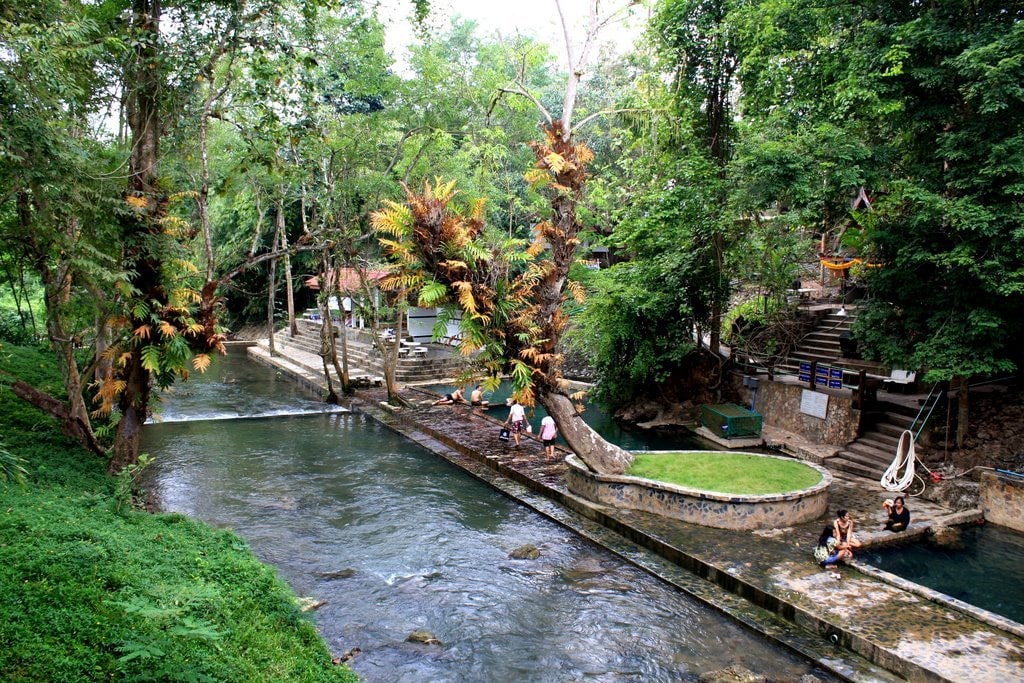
pixel 89 591
pixel 725 472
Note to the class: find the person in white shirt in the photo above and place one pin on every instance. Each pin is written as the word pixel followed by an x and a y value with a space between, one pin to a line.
pixel 516 420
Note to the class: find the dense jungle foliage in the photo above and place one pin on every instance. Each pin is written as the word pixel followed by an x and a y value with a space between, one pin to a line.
pixel 164 164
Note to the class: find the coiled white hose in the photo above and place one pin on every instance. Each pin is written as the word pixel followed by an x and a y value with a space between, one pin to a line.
pixel 892 480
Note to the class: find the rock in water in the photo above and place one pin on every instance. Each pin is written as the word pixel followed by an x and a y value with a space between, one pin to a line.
pixel 340 574
pixel 947 537
pixel 526 552
pixel 310 604
pixel 732 674
pixel 422 636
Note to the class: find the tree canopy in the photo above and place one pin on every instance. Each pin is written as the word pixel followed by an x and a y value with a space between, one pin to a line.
pixel 159 161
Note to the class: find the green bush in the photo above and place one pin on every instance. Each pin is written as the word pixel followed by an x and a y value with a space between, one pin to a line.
pixel 14 328
pixel 91 590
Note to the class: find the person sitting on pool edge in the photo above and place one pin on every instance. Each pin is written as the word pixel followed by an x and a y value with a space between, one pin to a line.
pixel 842 529
pixel 828 553
pixel 899 516
pixel 451 399
pixel 477 397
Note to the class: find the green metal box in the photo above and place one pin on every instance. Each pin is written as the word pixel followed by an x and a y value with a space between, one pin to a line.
pixel 730 420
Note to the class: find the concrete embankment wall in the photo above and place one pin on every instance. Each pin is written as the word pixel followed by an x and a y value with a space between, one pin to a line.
pixel 1002 499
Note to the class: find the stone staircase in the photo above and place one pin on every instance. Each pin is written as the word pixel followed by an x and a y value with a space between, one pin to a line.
pixel 364 360
pixel 822 343
pixel 882 422
pixel 873 451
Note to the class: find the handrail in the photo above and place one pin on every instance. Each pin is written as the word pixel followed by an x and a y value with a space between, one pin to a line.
pixel 938 391
pixel 930 404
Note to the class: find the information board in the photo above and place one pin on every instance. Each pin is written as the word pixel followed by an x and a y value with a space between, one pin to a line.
pixel 814 403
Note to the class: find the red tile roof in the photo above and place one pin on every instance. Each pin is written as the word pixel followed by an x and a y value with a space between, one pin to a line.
pixel 348 279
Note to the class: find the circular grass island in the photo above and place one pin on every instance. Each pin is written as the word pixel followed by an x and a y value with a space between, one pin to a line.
pixel 723 489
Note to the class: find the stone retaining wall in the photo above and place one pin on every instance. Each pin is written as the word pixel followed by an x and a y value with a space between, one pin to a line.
pixel 1002 499
pixel 779 403
pixel 719 510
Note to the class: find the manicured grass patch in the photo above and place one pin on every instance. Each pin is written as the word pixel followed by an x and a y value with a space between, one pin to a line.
pixel 725 472
pixel 90 590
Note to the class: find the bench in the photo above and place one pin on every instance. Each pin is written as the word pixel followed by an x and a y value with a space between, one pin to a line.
pixel 899 378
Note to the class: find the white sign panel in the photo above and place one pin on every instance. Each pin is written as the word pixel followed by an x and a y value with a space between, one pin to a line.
pixel 814 403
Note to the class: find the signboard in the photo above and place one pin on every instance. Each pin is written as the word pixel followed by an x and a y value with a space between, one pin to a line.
pixel 823 375
pixel 814 404
pixel 805 372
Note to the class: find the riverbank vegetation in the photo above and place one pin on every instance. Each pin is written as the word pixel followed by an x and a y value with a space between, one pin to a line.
pixel 93 589
pixel 725 472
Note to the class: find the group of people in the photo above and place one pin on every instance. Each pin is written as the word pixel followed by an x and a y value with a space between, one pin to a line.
pixel 517 425
pixel 837 542
pixel 476 398
pixel 516 422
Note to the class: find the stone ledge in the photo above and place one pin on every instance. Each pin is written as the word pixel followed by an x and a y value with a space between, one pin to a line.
pixel 707 508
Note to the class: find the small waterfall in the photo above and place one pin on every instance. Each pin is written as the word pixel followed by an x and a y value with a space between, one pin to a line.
pixel 278 412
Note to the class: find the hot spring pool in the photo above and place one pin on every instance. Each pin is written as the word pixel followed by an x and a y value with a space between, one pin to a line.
pixel 985 570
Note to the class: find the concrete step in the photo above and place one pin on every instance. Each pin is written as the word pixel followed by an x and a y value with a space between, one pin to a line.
pixel 869 461
pixel 889 429
pixel 883 442
pixel 896 419
pixel 839 464
pixel 871 449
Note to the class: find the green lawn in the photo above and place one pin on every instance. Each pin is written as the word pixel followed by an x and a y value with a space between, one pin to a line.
pixel 92 590
pixel 725 472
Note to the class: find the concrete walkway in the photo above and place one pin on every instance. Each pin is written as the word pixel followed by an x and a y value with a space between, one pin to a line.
pixel 864 626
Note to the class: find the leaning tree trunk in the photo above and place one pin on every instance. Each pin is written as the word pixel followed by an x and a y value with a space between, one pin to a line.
pixel 562 236
pixel 588 445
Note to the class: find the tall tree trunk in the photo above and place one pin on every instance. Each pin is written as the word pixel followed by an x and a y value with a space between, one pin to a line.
pixel 282 231
pixel 330 289
pixel 271 288
pixel 327 349
pixel 391 355
pixel 963 410
pixel 144 120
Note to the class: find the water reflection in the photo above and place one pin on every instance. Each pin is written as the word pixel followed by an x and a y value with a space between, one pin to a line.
pixel 395 539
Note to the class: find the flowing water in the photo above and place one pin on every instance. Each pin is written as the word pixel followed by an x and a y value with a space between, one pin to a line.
pixel 395 539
